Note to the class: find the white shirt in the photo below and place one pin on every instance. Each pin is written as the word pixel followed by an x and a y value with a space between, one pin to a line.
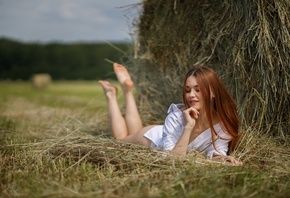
pixel 166 136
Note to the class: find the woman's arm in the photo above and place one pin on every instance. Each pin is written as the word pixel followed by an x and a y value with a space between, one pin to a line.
pixel 190 117
pixel 182 144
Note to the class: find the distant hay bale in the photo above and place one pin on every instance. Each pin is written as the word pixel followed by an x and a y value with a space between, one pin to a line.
pixel 246 43
pixel 41 80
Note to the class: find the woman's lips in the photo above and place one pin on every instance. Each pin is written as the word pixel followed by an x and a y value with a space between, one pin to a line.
pixel 193 102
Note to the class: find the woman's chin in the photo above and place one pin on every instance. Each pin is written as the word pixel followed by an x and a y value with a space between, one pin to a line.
pixel 195 106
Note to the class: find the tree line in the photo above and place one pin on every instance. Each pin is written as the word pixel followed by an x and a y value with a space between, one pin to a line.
pixel 73 61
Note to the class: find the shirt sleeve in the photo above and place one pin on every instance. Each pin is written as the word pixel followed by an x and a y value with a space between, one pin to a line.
pixel 172 130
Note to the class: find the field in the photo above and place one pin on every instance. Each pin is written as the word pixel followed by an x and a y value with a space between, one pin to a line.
pixel 56 143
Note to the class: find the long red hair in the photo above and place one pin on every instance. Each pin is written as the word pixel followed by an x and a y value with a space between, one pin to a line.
pixel 218 102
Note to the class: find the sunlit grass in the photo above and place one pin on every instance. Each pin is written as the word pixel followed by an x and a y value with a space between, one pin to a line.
pixel 56 143
pixel 70 94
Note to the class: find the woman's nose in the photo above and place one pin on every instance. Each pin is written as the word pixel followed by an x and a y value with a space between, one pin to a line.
pixel 192 94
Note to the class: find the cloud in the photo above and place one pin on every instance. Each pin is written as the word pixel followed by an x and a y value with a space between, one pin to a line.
pixel 64 20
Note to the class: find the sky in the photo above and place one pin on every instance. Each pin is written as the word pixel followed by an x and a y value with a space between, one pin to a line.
pixel 67 20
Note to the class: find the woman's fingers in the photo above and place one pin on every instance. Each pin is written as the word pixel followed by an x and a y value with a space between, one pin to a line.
pixel 190 116
pixel 230 160
pixel 233 161
pixel 192 112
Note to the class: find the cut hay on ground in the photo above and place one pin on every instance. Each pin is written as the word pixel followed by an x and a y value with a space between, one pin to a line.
pixel 103 151
pixel 254 150
pixel 80 165
pixel 70 153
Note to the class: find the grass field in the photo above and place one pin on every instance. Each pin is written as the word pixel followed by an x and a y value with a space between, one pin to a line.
pixel 56 143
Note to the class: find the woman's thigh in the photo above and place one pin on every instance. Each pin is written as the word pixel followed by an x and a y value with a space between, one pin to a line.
pixel 138 138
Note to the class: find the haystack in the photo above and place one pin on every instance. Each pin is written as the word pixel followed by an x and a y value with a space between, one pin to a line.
pixel 246 42
pixel 41 80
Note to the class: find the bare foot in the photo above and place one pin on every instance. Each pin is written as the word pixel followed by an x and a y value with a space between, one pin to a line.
pixel 108 88
pixel 123 77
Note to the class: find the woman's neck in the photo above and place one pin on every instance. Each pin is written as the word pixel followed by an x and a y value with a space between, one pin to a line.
pixel 203 123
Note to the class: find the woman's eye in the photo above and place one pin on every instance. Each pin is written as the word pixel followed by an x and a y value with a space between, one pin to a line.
pixel 187 90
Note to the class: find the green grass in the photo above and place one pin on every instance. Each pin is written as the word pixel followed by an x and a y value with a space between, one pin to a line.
pixel 62 94
pixel 56 143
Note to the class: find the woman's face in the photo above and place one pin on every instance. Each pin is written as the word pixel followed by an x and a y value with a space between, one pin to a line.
pixel 193 96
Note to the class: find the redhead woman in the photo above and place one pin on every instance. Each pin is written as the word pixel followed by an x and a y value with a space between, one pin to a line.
pixel 206 121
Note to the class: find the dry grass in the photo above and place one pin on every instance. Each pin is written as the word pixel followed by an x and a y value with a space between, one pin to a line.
pixel 60 152
pixel 57 143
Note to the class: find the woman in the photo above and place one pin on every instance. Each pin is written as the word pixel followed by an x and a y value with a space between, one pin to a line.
pixel 207 121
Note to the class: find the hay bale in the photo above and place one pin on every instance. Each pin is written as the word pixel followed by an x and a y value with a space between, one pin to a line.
pixel 247 43
pixel 41 80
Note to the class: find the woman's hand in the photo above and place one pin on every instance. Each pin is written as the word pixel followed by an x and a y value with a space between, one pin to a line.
pixel 190 117
pixel 228 159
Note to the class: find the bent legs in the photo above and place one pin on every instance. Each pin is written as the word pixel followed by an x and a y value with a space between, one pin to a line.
pixel 131 124
pixel 132 116
pixel 117 122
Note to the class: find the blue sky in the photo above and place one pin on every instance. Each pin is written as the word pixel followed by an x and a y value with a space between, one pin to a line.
pixel 67 20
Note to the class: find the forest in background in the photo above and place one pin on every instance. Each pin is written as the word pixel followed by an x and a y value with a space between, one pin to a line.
pixel 63 61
